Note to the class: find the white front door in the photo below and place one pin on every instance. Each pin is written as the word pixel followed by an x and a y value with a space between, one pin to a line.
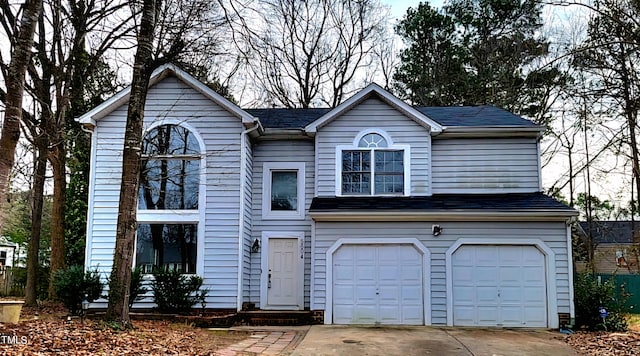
pixel 377 284
pixel 499 286
pixel 284 272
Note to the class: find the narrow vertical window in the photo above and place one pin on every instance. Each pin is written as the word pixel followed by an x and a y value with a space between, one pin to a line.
pixel 284 190
pixel 169 186
pixel 283 195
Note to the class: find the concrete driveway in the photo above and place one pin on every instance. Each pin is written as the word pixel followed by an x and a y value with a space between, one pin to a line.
pixel 424 340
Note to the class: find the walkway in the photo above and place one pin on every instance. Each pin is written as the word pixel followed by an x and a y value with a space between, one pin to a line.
pixel 266 340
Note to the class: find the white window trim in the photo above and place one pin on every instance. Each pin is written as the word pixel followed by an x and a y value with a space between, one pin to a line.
pixel 267 213
pixel 390 146
pixel 171 216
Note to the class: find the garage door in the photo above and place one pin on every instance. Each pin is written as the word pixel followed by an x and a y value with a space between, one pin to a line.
pixel 377 284
pixel 499 286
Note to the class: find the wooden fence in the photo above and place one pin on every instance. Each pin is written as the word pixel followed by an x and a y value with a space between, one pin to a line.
pixel 9 284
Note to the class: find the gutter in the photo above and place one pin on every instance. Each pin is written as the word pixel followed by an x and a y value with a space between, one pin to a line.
pixel 482 131
pixel 89 127
pixel 243 183
pixel 460 215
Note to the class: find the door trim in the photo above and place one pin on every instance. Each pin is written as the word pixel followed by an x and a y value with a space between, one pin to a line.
pixel 264 268
pixel 426 271
pixel 550 267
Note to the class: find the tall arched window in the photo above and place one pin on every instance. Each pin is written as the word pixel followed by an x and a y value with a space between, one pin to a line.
pixel 373 166
pixel 169 186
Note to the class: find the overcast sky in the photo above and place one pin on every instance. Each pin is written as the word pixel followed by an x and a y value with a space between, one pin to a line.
pixel 399 7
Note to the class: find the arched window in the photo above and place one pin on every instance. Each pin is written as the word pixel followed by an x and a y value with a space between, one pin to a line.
pixel 170 172
pixel 373 166
pixel 169 187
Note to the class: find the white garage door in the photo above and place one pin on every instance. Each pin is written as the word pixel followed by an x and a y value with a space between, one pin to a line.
pixel 377 284
pixel 499 286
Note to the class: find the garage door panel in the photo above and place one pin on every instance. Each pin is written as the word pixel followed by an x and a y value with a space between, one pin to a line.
pixel 344 294
pixel 343 273
pixel 387 285
pixel 463 295
pixel 389 273
pixel 536 316
pixel 464 275
pixel 411 294
pixel 485 273
pixel 487 294
pixel 507 286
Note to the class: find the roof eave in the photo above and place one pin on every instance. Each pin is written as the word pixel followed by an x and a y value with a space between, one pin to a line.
pixel 483 131
pixel 458 215
pixel 284 134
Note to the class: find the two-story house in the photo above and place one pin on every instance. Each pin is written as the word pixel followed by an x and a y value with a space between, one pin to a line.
pixel 373 212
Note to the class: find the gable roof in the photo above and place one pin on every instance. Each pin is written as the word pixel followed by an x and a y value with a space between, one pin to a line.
pixel 371 90
pixel 159 74
pixel 613 232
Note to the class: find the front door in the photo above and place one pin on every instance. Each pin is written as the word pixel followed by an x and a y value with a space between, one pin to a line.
pixel 284 274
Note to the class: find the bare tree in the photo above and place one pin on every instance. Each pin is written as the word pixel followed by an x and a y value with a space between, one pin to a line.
pixel 169 31
pixel 22 42
pixel 308 53
pixel 118 309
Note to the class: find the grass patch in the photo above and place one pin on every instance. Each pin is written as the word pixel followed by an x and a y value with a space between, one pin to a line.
pixel 634 322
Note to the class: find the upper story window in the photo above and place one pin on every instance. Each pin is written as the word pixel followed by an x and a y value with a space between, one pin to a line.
pixel 169 211
pixel 170 172
pixel 283 190
pixel 372 166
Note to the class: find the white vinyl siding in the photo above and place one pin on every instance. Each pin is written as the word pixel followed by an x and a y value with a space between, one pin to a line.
pixel 553 234
pixel 373 114
pixel 171 99
pixel 291 151
pixel 485 165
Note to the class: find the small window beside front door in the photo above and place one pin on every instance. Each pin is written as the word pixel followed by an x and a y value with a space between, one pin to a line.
pixel 283 190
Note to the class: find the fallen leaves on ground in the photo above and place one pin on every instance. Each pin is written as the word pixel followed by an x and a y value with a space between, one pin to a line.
pixel 44 337
pixel 604 344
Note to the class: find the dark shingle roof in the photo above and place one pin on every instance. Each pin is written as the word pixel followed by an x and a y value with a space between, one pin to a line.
pixel 287 118
pixel 447 116
pixel 484 115
pixel 441 202
pixel 610 231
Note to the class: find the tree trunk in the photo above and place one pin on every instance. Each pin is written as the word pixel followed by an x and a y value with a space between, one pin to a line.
pixel 118 309
pixel 58 162
pixel 20 58
pixel 33 265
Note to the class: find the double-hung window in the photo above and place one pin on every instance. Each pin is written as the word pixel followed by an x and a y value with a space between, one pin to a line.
pixel 373 166
pixel 169 200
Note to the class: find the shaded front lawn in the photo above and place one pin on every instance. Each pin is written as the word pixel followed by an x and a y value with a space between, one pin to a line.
pixel 53 334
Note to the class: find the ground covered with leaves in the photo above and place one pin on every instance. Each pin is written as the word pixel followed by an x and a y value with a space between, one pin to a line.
pixel 56 335
pixel 605 343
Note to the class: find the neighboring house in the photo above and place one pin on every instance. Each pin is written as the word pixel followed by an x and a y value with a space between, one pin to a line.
pixel 614 246
pixel 8 252
pixel 374 212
